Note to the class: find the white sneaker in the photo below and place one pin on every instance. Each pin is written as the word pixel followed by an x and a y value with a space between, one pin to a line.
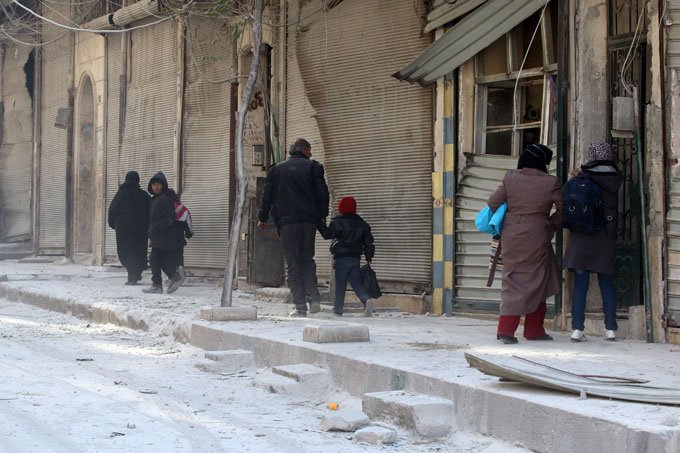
pixel 610 335
pixel 368 311
pixel 578 336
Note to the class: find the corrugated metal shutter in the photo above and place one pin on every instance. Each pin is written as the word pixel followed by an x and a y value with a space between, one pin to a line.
pixel 673 251
pixel 17 147
pixel 481 175
pixel 57 67
pixel 207 110
pixel 151 103
pixel 444 11
pixel 377 133
pixel 673 50
pixel 301 123
pixel 114 64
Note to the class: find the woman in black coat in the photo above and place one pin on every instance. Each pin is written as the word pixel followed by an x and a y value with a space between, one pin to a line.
pixel 129 216
pixel 594 252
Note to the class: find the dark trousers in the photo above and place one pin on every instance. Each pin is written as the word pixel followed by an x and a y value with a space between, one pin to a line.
pixel 578 299
pixel 533 323
pixel 163 260
pixel 347 270
pixel 297 240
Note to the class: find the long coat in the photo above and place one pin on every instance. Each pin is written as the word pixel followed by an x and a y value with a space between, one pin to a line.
pixel 530 270
pixel 129 216
pixel 165 233
pixel 595 252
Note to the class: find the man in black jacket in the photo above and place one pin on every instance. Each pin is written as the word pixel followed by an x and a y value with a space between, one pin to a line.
pixel 167 238
pixel 296 193
pixel 129 216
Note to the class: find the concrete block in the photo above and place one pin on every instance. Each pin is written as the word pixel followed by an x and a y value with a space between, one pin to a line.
pixel 279 295
pixel 335 333
pixel 241 362
pixel 376 435
pixel 636 323
pixel 303 373
pixel 237 358
pixel 273 383
pixel 427 416
pixel 344 420
pixel 229 313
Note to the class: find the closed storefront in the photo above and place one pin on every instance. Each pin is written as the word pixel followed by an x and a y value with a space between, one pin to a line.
pixel 376 133
pixel 16 143
pixel 205 151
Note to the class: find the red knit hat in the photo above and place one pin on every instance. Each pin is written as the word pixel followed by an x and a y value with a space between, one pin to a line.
pixel 347 205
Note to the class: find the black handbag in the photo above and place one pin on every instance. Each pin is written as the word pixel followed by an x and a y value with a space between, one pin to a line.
pixel 370 282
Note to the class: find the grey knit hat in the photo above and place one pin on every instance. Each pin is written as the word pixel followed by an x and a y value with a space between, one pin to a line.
pixel 598 151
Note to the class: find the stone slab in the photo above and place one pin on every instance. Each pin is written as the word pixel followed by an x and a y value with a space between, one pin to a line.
pixel 235 358
pixel 224 366
pixel 274 383
pixel 344 420
pixel 302 372
pixel 279 295
pixel 376 435
pixel 229 313
pixel 427 416
pixel 335 333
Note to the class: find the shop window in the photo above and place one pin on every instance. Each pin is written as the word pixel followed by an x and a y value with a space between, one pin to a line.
pixel 516 108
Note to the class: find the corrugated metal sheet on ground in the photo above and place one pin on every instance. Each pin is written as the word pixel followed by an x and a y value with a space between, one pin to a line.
pixel 444 11
pixel 377 133
pixel 207 108
pixel 673 51
pixel 17 147
pixel 467 38
pixel 150 118
pixel 481 175
pixel 114 63
pixel 301 122
pixel 57 67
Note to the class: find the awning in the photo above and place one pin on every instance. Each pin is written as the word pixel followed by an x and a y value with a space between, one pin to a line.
pixel 470 36
pixel 444 11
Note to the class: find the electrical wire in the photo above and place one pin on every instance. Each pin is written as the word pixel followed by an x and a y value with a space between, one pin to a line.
pixel 626 62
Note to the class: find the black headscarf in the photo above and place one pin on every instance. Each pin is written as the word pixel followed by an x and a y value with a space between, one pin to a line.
pixel 535 156
pixel 132 176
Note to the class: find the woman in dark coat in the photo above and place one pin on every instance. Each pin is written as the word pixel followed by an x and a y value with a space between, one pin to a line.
pixel 129 216
pixel 530 270
pixel 594 252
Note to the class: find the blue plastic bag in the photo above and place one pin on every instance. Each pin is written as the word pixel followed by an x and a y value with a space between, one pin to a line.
pixel 491 222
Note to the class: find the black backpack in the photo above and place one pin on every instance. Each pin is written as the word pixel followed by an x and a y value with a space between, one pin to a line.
pixel 582 208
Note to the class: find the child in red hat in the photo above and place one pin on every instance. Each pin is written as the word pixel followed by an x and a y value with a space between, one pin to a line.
pixel 351 238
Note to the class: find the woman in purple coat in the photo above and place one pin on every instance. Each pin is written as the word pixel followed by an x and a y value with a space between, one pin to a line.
pixel 530 270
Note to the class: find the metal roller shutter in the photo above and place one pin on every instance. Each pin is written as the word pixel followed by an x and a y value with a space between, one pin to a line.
pixel 114 64
pixel 17 147
pixel 57 67
pixel 301 123
pixel 148 138
pixel 376 132
pixel 205 154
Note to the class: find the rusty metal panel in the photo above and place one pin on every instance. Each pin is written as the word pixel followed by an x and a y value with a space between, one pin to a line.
pixel 149 128
pixel 444 11
pixel 114 178
pixel 301 122
pixel 376 132
pixel 57 68
pixel 205 182
pixel 16 146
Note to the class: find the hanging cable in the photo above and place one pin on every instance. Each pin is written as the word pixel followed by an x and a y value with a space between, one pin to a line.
pixel 626 61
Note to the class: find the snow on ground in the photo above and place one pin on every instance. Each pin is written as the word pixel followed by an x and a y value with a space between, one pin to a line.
pixel 70 386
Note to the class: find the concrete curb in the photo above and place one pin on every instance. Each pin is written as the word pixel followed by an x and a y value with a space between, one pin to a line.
pixel 486 409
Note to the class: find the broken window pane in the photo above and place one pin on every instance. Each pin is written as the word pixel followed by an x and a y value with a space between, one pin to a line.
pixel 499 106
pixel 499 143
pixel 494 59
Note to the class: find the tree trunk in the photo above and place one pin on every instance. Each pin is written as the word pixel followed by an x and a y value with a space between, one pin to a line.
pixel 241 179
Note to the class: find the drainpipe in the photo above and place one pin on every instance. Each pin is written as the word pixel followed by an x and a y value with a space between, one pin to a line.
pixel 37 143
pixel 562 136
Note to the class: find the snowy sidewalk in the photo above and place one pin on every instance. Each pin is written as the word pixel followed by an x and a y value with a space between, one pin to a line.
pixel 412 352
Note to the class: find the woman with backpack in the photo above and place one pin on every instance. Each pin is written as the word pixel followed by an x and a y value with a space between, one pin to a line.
pixel 530 270
pixel 593 251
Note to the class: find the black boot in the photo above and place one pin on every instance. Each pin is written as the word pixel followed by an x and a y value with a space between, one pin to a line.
pixel 505 339
pixel 155 289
